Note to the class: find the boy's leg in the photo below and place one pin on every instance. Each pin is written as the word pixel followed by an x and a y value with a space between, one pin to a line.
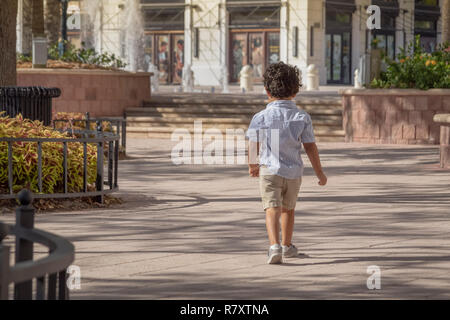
pixel 290 193
pixel 273 224
pixel 287 226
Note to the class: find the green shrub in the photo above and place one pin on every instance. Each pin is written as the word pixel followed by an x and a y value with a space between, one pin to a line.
pixel 25 158
pixel 23 58
pixel 75 121
pixel 415 68
pixel 85 56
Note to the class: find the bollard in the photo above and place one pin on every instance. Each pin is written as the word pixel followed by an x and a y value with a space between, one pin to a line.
pixel 188 79
pixel 224 79
pixel 312 82
pixel 154 79
pixel 24 248
pixel 357 80
pixel 246 78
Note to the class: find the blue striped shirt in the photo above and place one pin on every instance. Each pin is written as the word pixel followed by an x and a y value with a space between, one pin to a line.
pixel 281 128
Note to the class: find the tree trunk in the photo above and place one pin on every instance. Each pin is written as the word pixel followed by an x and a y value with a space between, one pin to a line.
pixel 8 17
pixel 52 20
pixel 446 21
pixel 38 28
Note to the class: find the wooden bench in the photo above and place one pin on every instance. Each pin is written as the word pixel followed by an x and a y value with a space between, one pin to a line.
pixel 444 120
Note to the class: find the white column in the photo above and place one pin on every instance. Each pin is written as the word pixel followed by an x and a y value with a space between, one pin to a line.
pixel 357 37
pixel 284 32
pixel 223 33
pixel 188 34
pixel 399 36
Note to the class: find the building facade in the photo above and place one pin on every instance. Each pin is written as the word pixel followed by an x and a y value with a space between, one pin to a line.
pixel 216 38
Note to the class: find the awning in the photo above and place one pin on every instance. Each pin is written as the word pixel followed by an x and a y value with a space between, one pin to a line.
pixel 253 3
pixel 341 5
pixel 391 8
pixel 427 12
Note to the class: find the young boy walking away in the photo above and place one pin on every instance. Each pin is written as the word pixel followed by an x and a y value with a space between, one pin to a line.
pixel 276 135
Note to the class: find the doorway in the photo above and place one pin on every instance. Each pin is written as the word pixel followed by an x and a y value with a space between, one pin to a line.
pixel 166 51
pixel 338 57
pixel 257 48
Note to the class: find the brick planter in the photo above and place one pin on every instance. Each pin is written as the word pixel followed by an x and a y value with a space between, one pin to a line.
pixel 101 93
pixel 398 116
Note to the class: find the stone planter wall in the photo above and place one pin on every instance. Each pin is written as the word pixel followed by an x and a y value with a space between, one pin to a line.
pixel 101 93
pixel 398 116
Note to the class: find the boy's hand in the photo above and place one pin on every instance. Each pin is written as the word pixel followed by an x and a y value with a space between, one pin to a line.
pixel 253 170
pixel 322 179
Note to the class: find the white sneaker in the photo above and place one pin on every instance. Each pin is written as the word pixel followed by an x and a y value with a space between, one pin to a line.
pixel 290 251
pixel 275 254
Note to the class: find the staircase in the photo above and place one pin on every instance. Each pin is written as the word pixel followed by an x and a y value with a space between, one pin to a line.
pixel 166 112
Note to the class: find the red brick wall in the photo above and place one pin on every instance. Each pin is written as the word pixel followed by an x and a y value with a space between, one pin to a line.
pixel 101 93
pixel 393 116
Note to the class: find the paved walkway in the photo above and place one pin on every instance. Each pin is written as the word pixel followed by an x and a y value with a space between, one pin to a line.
pixel 197 232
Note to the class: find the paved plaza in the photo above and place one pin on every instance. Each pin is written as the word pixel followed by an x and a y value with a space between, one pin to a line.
pixel 198 232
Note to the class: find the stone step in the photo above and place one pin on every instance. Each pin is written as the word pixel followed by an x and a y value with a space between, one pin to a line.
pixel 175 120
pixel 222 109
pixel 227 99
pixel 165 112
pixel 319 131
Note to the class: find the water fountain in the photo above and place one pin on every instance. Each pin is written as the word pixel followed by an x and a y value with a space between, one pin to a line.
pixel 90 23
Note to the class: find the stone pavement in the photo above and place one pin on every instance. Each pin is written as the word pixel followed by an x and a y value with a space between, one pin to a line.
pixel 197 232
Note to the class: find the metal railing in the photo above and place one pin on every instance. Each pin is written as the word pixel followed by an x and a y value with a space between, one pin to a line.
pixel 118 125
pixel 48 273
pixel 112 142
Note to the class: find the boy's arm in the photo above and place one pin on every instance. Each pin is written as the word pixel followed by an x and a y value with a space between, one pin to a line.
pixel 253 152
pixel 313 155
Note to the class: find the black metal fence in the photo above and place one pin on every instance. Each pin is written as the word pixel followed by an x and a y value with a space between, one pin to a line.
pixel 118 126
pixel 33 103
pixel 112 162
pixel 43 278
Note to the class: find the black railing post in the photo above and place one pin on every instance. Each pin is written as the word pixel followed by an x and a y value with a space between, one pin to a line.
pixel 24 248
pixel 124 134
pixel 99 180
pixel 87 121
pixel 4 264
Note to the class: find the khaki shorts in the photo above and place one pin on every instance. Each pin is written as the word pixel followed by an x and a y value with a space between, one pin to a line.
pixel 277 191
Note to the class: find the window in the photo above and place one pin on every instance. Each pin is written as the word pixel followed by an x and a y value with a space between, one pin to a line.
pixel 427 2
pixel 254 17
pixel 164 19
pixel 425 25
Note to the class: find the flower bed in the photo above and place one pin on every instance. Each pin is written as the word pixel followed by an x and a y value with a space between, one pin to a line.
pixel 417 69
pixel 25 158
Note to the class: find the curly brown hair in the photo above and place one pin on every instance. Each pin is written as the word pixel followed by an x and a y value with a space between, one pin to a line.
pixel 282 80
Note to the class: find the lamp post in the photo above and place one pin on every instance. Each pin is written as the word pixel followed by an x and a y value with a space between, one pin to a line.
pixel 62 46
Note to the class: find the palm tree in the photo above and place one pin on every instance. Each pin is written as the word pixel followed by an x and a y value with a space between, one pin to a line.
pixel 446 20
pixel 8 17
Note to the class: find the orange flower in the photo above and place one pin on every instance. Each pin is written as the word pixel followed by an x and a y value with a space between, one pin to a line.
pixel 402 60
pixel 433 62
pixel 428 63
